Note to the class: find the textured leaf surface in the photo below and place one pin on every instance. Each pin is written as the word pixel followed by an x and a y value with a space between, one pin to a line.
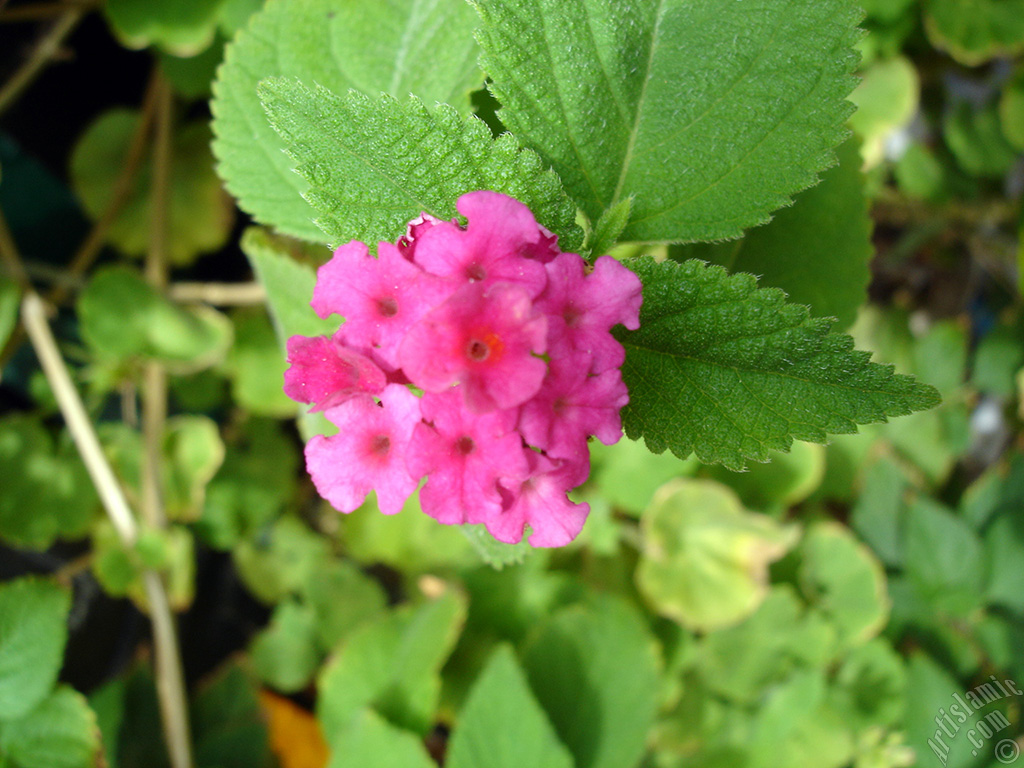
pixel 32 637
pixel 399 47
pixel 501 724
pixel 373 164
pixel 594 670
pixel 711 113
pixel 60 733
pixel 728 371
pixel 817 251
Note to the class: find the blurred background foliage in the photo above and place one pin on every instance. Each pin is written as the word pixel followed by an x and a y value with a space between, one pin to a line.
pixel 819 611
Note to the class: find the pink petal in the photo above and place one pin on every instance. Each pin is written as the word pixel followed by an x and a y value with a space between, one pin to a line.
pixel 324 372
pixel 368 453
pixel 541 501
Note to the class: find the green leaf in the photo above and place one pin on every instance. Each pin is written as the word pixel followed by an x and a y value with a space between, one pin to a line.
pixel 704 560
pixel 60 732
pixel 878 514
pixel 229 728
pixel 976 139
pixel 392 665
pixel 285 654
pixel 119 569
pixel 871 683
pixel 122 318
pixel 193 453
pixel 1004 554
pixel 594 669
pixel 47 492
pixel 974 31
pixel 887 100
pixel 278 562
pixel 609 227
pixel 341 597
pixel 374 164
pixel 180 28
pixel 711 115
pixel 107 702
pixel 199 215
pixel 424 47
pixel 944 558
pixel 253 486
pixel 742 661
pixel 627 474
pixel 1000 355
pixel 817 251
pixel 10 300
pixel 845 581
pixel 786 480
pixel 1011 111
pixel 730 372
pixel 501 724
pixel 256 365
pixel 192 76
pixel 33 632
pixel 369 741
pixel 495 553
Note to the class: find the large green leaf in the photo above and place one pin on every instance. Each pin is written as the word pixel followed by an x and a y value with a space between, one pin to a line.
pixel 373 164
pixel 501 724
pixel 399 47
pixel 594 670
pixel 711 114
pixel 817 251
pixel 730 372
pixel 705 559
pixel 393 665
pixel 60 732
pixel 32 637
pixel 944 558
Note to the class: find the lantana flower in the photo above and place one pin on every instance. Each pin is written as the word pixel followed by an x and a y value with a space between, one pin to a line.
pixel 476 357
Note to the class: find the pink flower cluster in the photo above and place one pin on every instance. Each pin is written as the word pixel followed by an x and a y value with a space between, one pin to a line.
pixel 509 341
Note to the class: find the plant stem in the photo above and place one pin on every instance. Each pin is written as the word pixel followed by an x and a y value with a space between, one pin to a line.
pixel 169 678
pixel 218 294
pixel 47 46
pixel 43 11
pixel 154 384
pixel 33 314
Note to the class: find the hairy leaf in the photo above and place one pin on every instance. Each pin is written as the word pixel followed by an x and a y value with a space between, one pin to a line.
pixel 729 372
pixel 373 164
pixel 424 47
pixel 712 114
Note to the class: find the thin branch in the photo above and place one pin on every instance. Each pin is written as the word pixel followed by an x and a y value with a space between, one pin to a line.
pixel 218 294
pixel 45 49
pixel 33 315
pixel 154 384
pixel 43 11
pixel 170 677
